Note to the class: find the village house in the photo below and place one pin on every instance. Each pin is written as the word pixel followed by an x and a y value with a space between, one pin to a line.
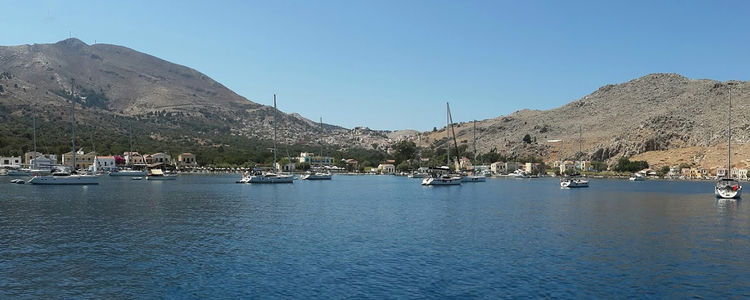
pixel 315 161
pixel 387 168
pixel 351 164
pixel 567 166
pixel 186 160
pixel 133 158
pixel 465 163
pixel 28 156
pixel 742 174
pixel 158 158
pixel 104 163
pixel 10 161
pixel 83 160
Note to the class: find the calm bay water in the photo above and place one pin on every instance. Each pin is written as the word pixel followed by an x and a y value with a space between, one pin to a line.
pixel 371 237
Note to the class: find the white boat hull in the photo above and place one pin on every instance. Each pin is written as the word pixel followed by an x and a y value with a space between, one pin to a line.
pixel 165 177
pixel 576 183
pixel 267 179
pixel 128 173
pixel 442 181
pixel 473 179
pixel 65 180
pixel 317 177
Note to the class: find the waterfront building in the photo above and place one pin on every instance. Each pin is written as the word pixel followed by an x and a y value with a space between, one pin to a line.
pixel 742 174
pixel 315 161
pixel 83 160
pixel 287 167
pixel 352 164
pixel 133 158
pixel 28 156
pixel 158 158
pixel 186 160
pixel 10 161
pixel 567 166
pixel 104 163
pixel 387 168
pixel 465 163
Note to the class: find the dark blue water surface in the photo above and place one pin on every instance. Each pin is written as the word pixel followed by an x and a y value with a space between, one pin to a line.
pixel 371 237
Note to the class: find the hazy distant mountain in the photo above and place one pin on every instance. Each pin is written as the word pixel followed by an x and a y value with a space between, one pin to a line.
pixel 167 102
pixel 651 114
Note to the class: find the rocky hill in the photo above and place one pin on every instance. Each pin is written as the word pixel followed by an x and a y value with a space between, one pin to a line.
pixel 117 87
pixel 643 118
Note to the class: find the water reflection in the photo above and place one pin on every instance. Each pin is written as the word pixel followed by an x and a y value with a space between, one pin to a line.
pixel 727 206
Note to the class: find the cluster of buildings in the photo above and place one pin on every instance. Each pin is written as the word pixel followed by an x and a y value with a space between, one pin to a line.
pixel 94 162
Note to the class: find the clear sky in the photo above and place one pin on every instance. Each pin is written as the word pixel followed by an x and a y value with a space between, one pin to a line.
pixel 394 64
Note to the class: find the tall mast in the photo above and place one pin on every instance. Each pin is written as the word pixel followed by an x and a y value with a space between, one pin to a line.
pixel 729 135
pixel 34 121
pixel 474 134
pixel 321 142
pixel 275 113
pixel 130 141
pixel 448 134
pixel 73 121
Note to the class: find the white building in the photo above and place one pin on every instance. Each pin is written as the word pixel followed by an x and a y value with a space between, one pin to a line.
pixel 14 161
pixel 315 161
pixel 387 168
pixel 104 163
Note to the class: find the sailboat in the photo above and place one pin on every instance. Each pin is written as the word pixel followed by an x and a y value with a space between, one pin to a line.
pixel 475 177
pixel 728 188
pixel 443 176
pixel 574 181
pixel 62 176
pixel 318 175
pixel 129 171
pixel 269 177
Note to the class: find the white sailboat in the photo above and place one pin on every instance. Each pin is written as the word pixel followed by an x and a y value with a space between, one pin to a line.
pixel 130 172
pixel 269 177
pixel 318 175
pixel 727 187
pixel 474 177
pixel 443 176
pixel 63 177
pixel 158 174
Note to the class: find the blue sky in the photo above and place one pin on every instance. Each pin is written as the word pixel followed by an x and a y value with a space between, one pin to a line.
pixel 394 64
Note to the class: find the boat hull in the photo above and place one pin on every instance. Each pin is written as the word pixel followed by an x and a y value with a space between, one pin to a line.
pixel 442 181
pixel 128 173
pixel 165 177
pixel 473 179
pixel 317 177
pixel 264 179
pixel 574 184
pixel 65 180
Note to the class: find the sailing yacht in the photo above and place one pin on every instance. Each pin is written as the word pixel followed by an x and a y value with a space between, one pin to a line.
pixel 474 177
pixel 269 177
pixel 130 172
pixel 727 187
pixel 61 176
pixel 318 175
pixel 443 176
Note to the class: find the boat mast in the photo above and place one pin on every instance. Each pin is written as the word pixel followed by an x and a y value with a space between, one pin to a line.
pixel 275 113
pixel 34 121
pixel 729 135
pixel 455 143
pixel 73 122
pixel 448 134
pixel 474 134
pixel 130 141
pixel 320 141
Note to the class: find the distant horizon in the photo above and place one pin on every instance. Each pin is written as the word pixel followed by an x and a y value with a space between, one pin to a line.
pixel 393 65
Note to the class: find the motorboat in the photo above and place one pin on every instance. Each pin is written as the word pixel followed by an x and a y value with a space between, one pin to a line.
pixel 317 176
pixel 128 172
pixel 447 179
pixel 637 177
pixel 417 175
pixel 573 182
pixel 158 174
pixel 64 178
pixel 473 178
